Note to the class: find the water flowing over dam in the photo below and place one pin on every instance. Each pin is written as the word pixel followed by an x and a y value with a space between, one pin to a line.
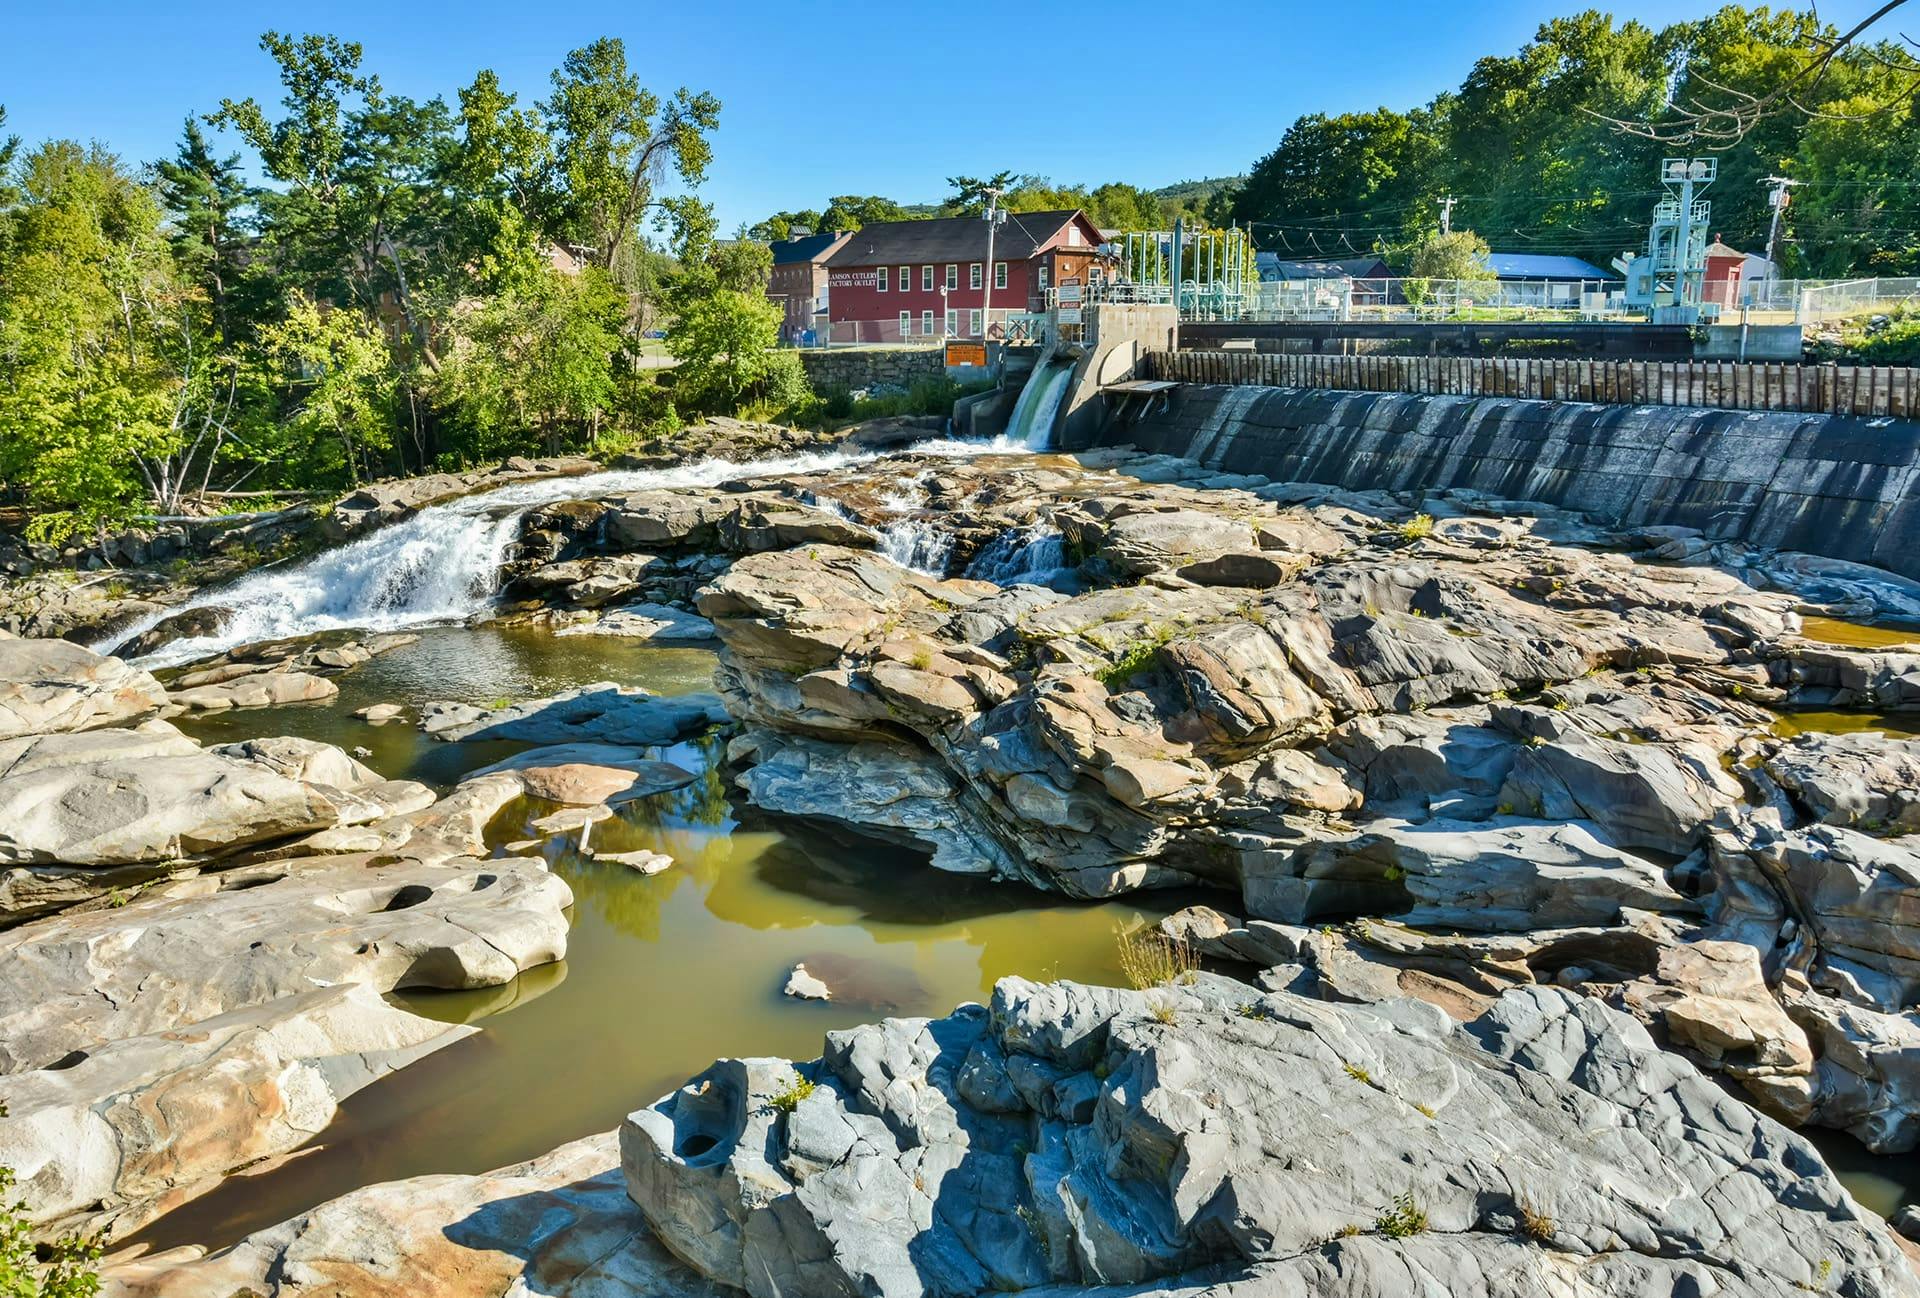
pixel 1840 486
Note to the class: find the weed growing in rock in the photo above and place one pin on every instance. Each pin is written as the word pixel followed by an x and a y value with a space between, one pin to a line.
pixel 1538 1226
pixel 1405 1218
pixel 1150 958
pixel 499 703
pixel 1253 1010
pixel 1358 1074
pixel 1136 659
pixel 1418 526
pixel 1425 1110
pixel 788 1100
pixel 1163 1012
pixel 1036 1226
pixel 1821 1274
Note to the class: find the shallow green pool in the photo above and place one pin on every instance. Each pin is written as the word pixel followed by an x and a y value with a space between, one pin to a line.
pixel 664 973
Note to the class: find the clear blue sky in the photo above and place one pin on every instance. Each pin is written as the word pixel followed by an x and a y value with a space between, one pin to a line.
pixel 853 98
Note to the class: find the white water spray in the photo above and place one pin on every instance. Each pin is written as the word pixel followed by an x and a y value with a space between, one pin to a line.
pixel 917 544
pixel 443 564
pixel 1034 554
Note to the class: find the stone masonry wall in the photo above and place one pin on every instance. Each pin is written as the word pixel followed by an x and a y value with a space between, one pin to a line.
pixel 1842 486
pixel 868 367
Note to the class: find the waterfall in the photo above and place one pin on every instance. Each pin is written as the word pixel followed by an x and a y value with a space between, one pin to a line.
pixel 1039 404
pixel 1035 554
pixel 442 564
pixel 917 544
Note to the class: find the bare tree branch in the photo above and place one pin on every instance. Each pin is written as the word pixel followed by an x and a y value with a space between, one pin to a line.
pixel 1696 121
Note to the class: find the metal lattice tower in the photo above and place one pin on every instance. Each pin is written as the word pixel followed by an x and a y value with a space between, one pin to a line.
pixel 1677 241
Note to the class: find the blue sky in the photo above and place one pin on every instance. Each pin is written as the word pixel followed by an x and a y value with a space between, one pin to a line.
pixel 818 100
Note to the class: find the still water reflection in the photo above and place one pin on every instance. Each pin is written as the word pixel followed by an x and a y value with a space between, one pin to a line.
pixel 664 973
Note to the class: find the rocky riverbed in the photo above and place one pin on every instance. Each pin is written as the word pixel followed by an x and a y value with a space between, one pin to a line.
pixel 1535 924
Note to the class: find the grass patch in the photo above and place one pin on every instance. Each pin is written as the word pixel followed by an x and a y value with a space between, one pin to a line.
pixel 1420 525
pixel 1150 958
pixel 1138 658
pixel 1358 1074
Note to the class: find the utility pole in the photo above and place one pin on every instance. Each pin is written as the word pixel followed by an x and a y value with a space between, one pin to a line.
pixel 1446 215
pixel 986 279
pixel 1777 200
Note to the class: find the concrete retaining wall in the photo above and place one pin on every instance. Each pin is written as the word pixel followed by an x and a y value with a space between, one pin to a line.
pixel 1843 486
pixel 868 367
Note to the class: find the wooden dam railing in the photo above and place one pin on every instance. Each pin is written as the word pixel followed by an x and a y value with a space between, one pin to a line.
pixel 1884 390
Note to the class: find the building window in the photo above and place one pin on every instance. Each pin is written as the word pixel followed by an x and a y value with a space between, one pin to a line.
pixel 953 322
pixel 953 277
pixel 906 278
pixel 999 274
pixel 973 275
pixel 881 282
pixel 1073 234
pixel 973 323
pixel 926 279
pixel 926 322
pixel 906 324
pixel 1043 277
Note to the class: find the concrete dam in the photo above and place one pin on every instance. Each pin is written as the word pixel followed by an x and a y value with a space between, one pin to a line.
pixel 1841 486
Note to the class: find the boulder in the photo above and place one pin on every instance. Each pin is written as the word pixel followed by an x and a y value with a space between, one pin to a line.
pixel 589 773
pixel 602 712
pixel 1864 780
pixel 265 689
pixel 656 623
pixel 52 686
pixel 1208 1134
pixel 802 985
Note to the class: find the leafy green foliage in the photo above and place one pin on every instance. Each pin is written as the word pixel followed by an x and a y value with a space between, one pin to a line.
pixel 1404 1219
pixel 66 1272
pixel 1528 148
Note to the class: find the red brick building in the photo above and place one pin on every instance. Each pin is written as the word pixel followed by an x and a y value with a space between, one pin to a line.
pixel 886 282
pixel 798 283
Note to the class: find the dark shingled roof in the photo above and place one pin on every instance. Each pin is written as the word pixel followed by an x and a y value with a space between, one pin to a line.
pixel 788 251
pixel 949 238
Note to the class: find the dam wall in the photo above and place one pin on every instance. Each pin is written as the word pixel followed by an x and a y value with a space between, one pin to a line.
pixel 1842 486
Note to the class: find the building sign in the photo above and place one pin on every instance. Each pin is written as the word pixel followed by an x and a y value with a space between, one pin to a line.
pixel 1069 291
pixel 852 279
pixel 1067 315
pixel 967 354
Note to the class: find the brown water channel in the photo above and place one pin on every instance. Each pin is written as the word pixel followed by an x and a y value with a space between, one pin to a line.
pixel 663 974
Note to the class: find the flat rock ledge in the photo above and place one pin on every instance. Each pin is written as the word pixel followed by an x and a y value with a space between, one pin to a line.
pixel 558 1226
pixel 1210 1138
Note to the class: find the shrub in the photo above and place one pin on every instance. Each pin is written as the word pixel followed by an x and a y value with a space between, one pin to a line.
pixel 1405 1218
pixel 1418 526
pixel 786 1101
pixel 63 1269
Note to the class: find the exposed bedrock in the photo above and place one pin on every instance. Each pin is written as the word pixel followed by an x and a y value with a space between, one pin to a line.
pixel 1211 1138
pixel 198 938
pixel 1473 723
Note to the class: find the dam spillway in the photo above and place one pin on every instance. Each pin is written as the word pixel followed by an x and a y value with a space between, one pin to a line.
pixel 1840 486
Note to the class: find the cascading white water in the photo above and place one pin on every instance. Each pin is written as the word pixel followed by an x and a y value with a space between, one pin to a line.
pixel 1034 554
pixel 1033 414
pixel 917 544
pixel 443 564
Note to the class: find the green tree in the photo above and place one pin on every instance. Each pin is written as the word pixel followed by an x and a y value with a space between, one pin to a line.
pixel 86 297
pixel 612 139
pixel 540 359
pixel 725 343
pixel 854 212
pixel 335 364
pixel 1459 255
pixel 1342 186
